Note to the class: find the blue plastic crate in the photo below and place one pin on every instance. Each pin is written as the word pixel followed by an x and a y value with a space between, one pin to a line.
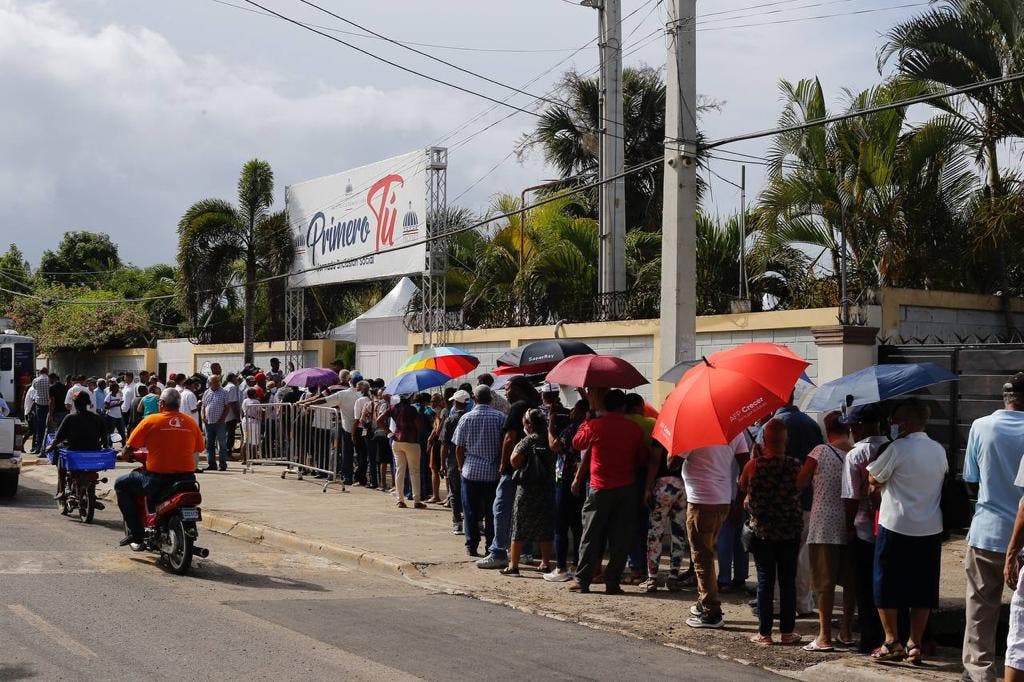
pixel 51 456
pixel 94 460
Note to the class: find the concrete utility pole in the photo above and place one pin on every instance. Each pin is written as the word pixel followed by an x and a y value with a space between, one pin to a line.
pixel 679 226
pixel 612 207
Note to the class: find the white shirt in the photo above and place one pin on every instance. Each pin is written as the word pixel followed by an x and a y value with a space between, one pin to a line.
pixel 708 472
pixel 855 484
pixel 70 394
pixel 233 407
pixel 30 400
pixel 190 404
pixel 115 411
pixel 912 469
pixel 130 393
pixel 357 409
pixel 346 402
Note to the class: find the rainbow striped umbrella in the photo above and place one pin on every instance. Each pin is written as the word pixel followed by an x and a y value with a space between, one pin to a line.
pixel 445 359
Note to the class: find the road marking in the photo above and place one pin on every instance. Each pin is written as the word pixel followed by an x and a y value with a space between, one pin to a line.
pixel 52 631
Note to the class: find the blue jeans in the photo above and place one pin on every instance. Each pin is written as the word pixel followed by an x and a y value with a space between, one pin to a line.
pixel 504 499
pixel 135 484
pixel 37 441
pixel 477 502
pixel 733 561
pixel 568 517
pixel 776 559
pixel 216 434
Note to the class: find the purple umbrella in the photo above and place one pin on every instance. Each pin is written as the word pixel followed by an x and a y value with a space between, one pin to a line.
pixel 312 377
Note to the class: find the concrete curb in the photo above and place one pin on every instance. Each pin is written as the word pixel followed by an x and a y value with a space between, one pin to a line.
pixel 371 562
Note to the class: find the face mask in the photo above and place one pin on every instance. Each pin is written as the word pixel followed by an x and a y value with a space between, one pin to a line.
pixel 894 431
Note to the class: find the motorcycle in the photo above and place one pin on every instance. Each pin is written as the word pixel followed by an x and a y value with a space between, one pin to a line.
pixel 169 519
pixel 81 474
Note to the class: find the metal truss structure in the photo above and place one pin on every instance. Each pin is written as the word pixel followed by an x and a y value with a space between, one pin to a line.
pixel 434 324
pixel 294 326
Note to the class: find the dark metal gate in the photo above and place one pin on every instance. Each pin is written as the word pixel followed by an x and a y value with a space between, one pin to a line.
pixel 983 370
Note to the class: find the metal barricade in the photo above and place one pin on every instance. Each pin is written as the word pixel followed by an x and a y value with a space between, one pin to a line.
pixel 304 439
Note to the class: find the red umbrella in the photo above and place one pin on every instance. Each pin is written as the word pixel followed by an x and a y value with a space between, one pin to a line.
pixel 726 393
pixel 595 371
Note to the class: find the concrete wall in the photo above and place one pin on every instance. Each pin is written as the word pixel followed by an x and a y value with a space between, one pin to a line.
pixel 638 340
pixel 944 315
pixel 100 363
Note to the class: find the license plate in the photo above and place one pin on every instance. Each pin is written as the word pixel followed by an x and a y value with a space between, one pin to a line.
pixel 190 513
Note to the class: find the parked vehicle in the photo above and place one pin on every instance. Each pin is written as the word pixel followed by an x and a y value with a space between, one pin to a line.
pixel 12 433
pixel 169 519
pixel 17 367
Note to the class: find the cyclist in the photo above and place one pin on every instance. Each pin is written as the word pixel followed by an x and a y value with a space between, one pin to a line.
pixel 170 439
pixel 81 430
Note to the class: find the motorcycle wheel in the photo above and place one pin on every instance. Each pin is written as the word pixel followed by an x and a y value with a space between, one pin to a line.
pixel 87 504
pixel 179 559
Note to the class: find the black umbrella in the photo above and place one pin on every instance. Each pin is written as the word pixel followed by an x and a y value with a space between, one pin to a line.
pixel 546 352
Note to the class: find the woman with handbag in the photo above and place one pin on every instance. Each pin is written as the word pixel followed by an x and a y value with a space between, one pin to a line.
pixel 772 533
pixel 533 514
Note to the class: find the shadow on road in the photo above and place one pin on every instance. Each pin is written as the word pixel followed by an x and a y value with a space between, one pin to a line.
pixel 29 498
pixel 16 672
pixel 215 572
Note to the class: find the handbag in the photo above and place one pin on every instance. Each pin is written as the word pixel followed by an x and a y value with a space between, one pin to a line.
pixel 955 504
pixel 532 472
pixel 748 538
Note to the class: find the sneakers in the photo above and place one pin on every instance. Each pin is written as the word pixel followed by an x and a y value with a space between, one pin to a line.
pixel 696 611
pixel 707 621
pixel 558 576
pixel 491 562
pixel 456 529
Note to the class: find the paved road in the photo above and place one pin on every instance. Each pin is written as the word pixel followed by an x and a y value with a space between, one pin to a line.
pixel 75 606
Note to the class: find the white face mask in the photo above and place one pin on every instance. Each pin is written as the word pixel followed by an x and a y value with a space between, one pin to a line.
pixel 894 431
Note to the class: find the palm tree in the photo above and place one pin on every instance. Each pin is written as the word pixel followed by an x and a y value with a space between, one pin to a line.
pixel 216 240
pixel 959 43
pixel 900 192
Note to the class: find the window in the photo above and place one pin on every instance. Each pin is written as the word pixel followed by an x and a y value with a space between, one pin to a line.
pixel 6 359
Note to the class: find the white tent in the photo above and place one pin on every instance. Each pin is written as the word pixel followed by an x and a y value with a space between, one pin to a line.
pixel 392 305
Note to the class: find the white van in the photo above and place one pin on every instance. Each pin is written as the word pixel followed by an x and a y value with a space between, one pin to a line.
pixel 17 369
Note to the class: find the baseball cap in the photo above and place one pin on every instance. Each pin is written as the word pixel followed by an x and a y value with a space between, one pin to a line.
pixel 460 397
pixel 356 376
pixel 862 414
pixel 259 376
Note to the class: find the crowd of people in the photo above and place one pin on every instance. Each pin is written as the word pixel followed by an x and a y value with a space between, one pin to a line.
pixel 585 493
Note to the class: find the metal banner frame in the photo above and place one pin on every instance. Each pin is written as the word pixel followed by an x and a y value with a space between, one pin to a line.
pixel 433 291
pixel 434 322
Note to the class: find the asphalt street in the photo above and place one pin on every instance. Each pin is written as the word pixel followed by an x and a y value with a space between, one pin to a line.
pixel 74 606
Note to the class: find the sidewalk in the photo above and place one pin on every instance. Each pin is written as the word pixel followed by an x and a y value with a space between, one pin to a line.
pixel 364 528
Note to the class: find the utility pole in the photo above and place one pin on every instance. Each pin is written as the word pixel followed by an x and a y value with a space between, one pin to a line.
pixel 678 229
pixel 743 233
pixel 612 204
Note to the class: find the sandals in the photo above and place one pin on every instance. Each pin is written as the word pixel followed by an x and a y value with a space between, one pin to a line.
pixel 762 640
pixel 814 646
pixel 649 585
pixel 790 638
pixel 890 651
pixel 914 654
pixel 510 572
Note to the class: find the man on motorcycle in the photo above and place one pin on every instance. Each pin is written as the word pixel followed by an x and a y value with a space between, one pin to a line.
pixel 81 430
pixel 170 438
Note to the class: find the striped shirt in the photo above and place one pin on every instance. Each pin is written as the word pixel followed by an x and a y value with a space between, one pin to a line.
pixel 480 432
pixel 42 385
pixel 215 405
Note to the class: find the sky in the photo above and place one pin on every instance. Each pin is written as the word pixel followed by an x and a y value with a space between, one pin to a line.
pixel 119 114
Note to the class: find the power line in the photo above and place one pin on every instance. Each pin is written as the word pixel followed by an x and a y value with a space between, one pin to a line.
pixel 922 99
pixel 458 48
pixel 778 10
pixel 817 17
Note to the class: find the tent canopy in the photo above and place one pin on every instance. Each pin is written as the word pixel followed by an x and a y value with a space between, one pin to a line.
pixel 392 305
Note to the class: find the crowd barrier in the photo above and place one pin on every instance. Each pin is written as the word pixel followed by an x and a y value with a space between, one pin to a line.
pixel 302 438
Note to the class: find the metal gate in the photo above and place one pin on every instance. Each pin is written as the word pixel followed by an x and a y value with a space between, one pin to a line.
pixel 983 369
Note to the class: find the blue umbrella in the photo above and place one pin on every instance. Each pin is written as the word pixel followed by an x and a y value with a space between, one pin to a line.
pixel 416 380
pixel 876 383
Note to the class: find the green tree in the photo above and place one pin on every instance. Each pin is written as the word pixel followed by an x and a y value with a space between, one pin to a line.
pixel 15 274
pixel 219 244
pixel 81 259
pixel 900 191
pixel 958 43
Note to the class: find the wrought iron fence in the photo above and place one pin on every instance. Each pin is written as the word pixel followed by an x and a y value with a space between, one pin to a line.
pixel 522 312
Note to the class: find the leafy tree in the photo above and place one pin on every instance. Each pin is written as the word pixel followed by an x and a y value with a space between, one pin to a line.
pixel 15 274
pixel 220 244
pixel 81 259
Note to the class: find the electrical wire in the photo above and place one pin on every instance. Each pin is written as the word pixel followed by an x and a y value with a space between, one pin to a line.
pixel 762 24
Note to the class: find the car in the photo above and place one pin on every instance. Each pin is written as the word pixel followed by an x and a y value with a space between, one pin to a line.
pixel 12 434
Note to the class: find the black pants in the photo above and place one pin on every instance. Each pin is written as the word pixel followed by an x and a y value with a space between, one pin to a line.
pixel 871 633
pixel 231 428
pixel 478 503
pixel 117 424
pixel 608 517
pixel 41 412
pixel 454 475
pixel 136 484
pixel 776 560
pixel 346 455
pixel 359 474
pixel 568 518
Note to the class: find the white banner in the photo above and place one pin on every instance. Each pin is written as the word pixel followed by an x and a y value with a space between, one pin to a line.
pixel 351 217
